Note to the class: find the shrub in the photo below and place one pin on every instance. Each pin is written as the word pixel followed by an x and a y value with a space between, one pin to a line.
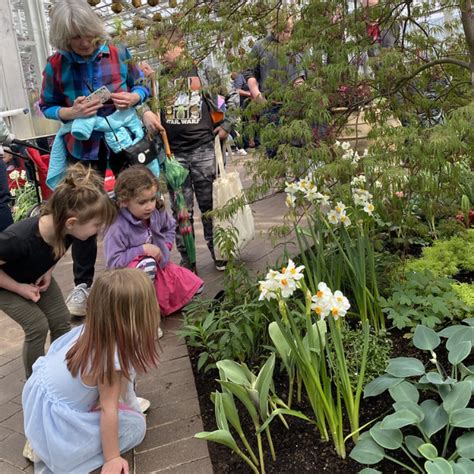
pixel 221 332
pixel 447 257
pixel 465 292
pixel 378 355
pixel 424 299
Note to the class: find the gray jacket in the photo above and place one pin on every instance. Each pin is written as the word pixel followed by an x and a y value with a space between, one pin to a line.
pixel 269 64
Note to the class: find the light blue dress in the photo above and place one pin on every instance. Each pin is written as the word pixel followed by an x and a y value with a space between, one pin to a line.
pixel 59 423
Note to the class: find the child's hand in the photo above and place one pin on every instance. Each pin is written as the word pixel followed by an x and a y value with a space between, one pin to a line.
pixel 29 292
pixel 43 282
pixel 115 466
pixel 152 251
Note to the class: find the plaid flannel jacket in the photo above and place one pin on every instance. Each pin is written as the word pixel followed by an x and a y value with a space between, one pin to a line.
pixel 68 76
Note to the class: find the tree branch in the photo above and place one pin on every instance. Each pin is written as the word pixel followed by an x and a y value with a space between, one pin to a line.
pixel 429 64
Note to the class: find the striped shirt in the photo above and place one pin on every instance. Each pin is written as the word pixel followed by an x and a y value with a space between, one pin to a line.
pixel 68 76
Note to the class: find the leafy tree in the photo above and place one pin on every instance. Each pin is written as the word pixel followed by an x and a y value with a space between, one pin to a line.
pixel 425 80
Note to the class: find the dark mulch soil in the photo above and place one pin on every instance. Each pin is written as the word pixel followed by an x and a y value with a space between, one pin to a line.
pixel 300 448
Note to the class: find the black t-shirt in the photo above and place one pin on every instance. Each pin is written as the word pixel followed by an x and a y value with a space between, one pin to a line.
pixel 187 118
pixel 26 255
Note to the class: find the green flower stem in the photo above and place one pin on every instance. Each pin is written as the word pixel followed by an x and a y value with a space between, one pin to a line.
pixel 248 447
pixel 396 461
pixel 298 387
pixel 453 456
pixel 270 443
pixel 291 379
pixel 247 460
pixel 412 459
pixel 449 431
pixel 363 366
pixel 260 450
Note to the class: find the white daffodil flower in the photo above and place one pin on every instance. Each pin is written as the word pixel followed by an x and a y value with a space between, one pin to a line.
pixel 291 188
pixel 338 305
pixel 333 217
pixel 369 208
pixel 290 201
pixel 292 272
pixel 14 175
pixel 340 207
pixel 344 218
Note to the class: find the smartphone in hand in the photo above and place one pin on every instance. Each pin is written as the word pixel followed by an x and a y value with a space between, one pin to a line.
pixel 103 94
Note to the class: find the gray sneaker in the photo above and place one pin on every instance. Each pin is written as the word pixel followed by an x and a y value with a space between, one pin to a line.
pixel 76 302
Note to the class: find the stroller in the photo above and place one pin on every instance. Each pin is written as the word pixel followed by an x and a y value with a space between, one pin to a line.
pixel 27 167
pixel 27 172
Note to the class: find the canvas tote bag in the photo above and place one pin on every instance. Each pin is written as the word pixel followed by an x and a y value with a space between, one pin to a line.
pixel 227 186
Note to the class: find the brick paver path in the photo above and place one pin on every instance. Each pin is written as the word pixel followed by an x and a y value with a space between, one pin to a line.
pixel 174 416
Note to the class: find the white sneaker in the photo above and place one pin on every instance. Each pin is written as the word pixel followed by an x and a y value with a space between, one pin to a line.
pixel 29 454
pixel 144 404
pixel 159 334
pixel 76 302
pixel 241 152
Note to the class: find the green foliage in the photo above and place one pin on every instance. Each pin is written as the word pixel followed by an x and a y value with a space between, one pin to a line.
pixel 431 407
pixel 447 257
pixel 465 292
pixel 225 332
pixel 424 299
pixel 25 201
pixel 378 354
pixel 255 394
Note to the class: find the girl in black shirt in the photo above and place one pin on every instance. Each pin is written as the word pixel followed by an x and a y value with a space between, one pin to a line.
pixel 30 249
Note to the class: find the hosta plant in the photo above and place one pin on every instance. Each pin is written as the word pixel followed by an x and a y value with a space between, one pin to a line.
pixel 432 408
pixel 256 395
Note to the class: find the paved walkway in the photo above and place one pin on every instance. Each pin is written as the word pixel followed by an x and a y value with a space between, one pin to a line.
pixel 174 415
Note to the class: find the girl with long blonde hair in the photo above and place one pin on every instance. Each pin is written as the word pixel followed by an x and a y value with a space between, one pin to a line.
pixel 79 405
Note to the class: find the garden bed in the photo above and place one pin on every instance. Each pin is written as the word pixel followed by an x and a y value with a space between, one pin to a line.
pixel 299 448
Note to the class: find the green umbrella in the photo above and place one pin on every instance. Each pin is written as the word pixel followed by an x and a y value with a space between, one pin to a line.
pixel 176 175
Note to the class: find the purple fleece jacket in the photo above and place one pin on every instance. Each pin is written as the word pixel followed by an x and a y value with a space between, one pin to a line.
pixel 125 237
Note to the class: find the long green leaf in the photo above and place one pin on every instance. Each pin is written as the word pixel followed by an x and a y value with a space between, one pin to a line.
pixel 242 395
pixel 235 372
pixel 282 411
pixel 219 436
pixel 280 343
pixel 262 385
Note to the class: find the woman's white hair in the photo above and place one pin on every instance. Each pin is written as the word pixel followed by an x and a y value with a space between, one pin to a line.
pixel 72 18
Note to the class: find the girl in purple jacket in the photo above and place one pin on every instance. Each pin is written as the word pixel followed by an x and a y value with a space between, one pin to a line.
pixel 142 237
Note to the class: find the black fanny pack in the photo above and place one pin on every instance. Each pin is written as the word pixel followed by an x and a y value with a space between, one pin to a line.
pixel 142 153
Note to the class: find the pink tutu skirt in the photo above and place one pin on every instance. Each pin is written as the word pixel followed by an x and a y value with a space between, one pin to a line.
pixel 175 286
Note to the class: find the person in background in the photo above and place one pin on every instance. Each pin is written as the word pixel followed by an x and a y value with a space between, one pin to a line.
pixel 83 62
pixel 79 406
pixel 142 237
pixel 240 86
pixel 270 64
pixel 188 119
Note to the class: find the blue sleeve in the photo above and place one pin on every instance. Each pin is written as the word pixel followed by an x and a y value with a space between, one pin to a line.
pixel 135 77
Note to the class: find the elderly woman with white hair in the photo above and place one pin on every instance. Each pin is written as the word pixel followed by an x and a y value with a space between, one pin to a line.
pixel 84 61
